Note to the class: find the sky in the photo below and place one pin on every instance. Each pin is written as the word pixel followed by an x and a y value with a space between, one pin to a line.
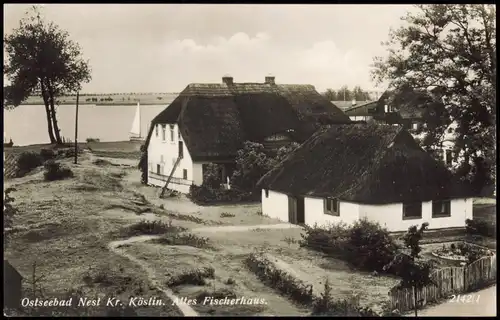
pixel 163 48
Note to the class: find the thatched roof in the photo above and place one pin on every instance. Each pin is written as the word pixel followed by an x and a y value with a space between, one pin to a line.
pixel 216 119
pixel 364 163
pixel 409 103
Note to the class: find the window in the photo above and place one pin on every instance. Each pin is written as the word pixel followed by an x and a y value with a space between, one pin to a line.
pixel 158 169
pixel 266 192
pixel 156 130
pixel 449 157
pixel 184 174
pixel 332 207
pixel 163 138
pixel 179 136
pixel 412 210
pixel 414 126
pixel 172 132
pixel 441 209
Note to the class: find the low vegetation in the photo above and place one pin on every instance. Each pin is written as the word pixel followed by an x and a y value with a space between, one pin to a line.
pixel 463 252
pixel 252 162
pixel 184 239
pixel 325 305
pixel 276 278
pixel 93 140
pixel 28 161
pixel 193 277
pixel 54 171
pixel 365 245
pixel 154 227
pixel 480 227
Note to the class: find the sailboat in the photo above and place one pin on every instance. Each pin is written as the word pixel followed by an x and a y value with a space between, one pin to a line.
pixel 135 131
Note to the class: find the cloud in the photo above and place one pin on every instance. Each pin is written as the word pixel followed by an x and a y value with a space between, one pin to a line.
pixel 248 58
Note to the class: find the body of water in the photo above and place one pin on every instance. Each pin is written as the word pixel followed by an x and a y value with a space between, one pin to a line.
pixel 27 124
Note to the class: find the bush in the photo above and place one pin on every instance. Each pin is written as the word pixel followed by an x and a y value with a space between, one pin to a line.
pixel 150 227
pixel 54 171
pixel 365 245
pixel 205 195
pixel 28 161
pixel 193 277
pixel 93 140
pixel 325 305
pixel 47 154
pixel 480 227
pixel 285 283
pixel 183 240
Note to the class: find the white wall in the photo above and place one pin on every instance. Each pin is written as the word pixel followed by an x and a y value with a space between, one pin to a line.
pixel 391 215
pixel 275 205
pixel 169 150
pixel 315 212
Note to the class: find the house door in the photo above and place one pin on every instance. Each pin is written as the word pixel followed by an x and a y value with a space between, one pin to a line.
pixel 292 210
pixel 181 149
pixel 300 210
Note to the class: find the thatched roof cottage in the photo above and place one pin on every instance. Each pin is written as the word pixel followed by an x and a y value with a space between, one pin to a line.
pixel 208 123
pixel 409 108
pixel 347 172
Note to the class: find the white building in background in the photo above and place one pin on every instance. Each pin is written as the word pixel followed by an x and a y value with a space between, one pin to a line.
pixel 378 172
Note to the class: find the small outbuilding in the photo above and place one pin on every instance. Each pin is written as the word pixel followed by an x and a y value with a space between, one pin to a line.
pixel 12 283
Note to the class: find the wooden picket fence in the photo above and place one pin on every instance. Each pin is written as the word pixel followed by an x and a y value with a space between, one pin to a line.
pixel 452 280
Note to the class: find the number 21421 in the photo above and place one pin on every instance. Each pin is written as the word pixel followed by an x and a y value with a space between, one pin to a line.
pixel 465 298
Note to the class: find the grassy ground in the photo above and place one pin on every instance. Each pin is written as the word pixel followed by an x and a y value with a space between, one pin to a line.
pixel 60 227
pixel 65 227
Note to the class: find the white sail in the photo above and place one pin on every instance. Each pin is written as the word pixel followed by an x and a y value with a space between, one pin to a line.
pixel 136 124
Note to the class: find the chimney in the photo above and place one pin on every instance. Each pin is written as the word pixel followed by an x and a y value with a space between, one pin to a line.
pixel 228 80
pixel 353 102
pixel 269 80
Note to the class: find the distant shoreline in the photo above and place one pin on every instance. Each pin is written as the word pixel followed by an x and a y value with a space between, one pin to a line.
pixel 117 103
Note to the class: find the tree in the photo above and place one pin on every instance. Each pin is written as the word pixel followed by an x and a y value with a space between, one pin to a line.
pixel 330 94
pixel 42 58
pixel 359 94
pixel 451 50
pixel 251 164
pixel 344 94
pixel 414 273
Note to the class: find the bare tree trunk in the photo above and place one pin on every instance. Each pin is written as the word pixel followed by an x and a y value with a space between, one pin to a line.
pixel 415 300
pixel 57 132
pixel 47 111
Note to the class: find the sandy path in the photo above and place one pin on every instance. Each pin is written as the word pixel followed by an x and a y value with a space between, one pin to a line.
pixel 115 247
pixel 184 308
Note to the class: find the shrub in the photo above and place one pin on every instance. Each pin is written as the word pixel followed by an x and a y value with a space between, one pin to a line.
pixel 480 227
pixel 28 161
pixel 325 305
pixel 54 171
pixel 227 215
pixel 370 246
pixel 150 227
pixel 183 240
pixel 193 277
pixel 365 245
pixel 205 195
pixel 93 140
pixel 285 283
pixel 47 154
